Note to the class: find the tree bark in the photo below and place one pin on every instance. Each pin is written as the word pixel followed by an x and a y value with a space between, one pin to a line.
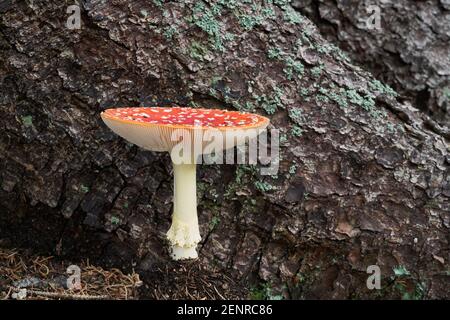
pixel 410 50
pixel 364 179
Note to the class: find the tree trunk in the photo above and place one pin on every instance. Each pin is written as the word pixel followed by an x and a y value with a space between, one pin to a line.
pixel 410 50
pixel 364 179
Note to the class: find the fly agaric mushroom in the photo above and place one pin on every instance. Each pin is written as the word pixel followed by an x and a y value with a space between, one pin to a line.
pixel 155 128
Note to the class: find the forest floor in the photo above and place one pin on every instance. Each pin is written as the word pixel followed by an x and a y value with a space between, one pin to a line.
pixel 27 276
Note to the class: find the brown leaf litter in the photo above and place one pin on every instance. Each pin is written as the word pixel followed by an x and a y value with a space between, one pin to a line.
pixel 35 277
pixel 27 276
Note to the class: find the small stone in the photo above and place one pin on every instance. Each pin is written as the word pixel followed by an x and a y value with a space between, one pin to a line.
pixel 27 282
pixel 20 295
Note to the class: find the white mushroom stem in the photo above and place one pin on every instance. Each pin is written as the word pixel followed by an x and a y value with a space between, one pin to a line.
pixel 184 234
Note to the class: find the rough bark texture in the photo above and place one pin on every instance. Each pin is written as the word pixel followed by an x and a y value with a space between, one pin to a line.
pixel 411 50
pixel 363 179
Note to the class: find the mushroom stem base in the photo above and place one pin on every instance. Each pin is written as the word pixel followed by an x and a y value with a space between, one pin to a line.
pixel 183 238
pixel 182 253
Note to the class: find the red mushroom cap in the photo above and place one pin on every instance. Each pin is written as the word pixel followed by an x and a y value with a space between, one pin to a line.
pixel 152 127
pixel 186 117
